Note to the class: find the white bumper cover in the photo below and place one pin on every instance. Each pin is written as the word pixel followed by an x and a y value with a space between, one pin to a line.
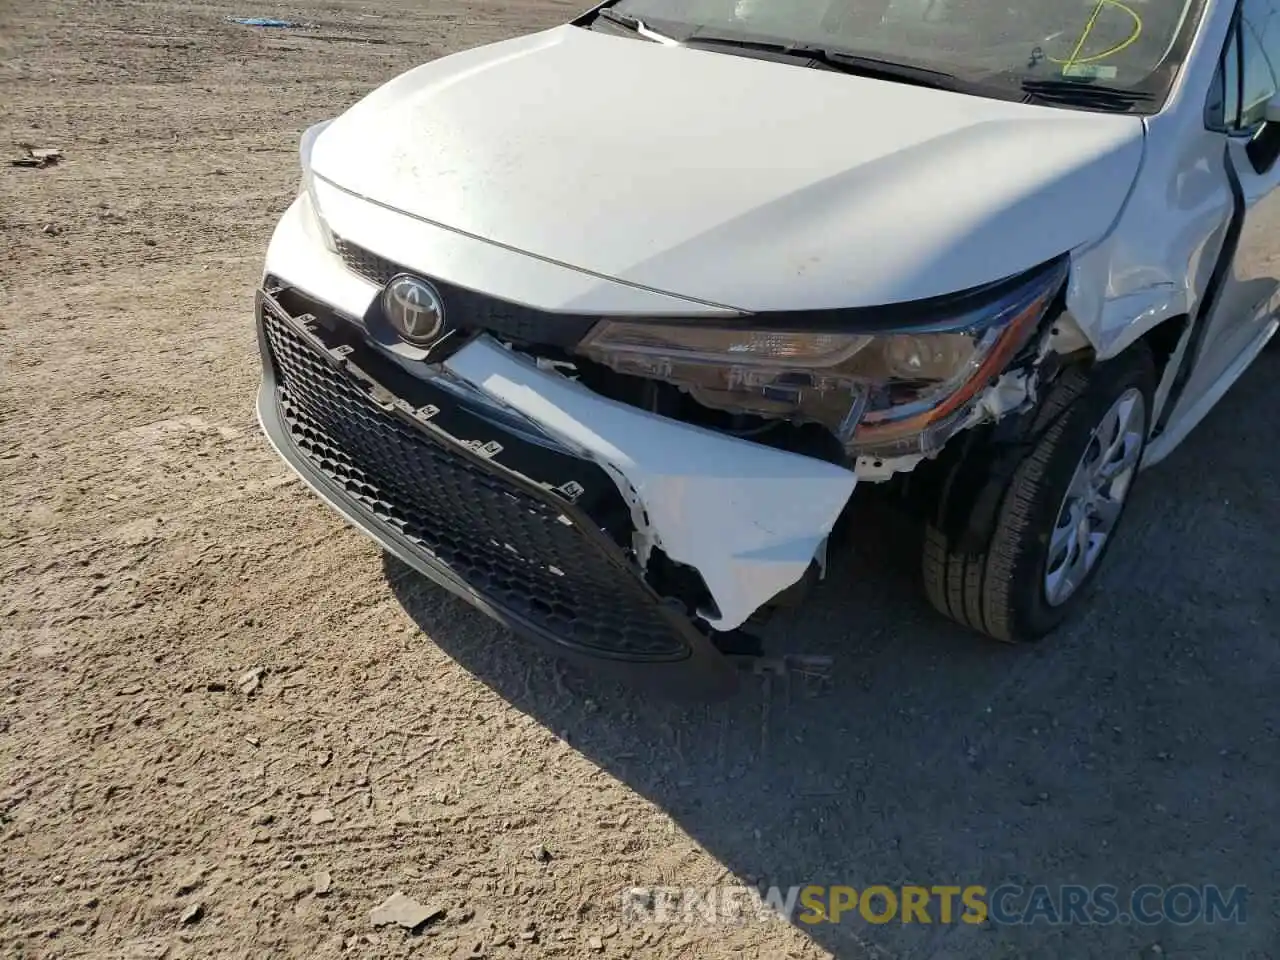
pixel 749 518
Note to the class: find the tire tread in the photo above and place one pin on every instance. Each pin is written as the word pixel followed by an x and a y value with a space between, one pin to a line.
pixel 977 589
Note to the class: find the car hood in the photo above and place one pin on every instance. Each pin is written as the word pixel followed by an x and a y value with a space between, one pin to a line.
pixel 731 180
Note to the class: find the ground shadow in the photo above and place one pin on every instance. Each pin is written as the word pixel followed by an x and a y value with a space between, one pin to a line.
pixel 1134 748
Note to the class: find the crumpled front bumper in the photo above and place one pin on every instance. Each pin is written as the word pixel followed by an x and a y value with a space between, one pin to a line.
pixel 541 525
pixel 449 493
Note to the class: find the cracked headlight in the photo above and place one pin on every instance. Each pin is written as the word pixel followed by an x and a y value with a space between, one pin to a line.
pixel 904 389
pixel 309 137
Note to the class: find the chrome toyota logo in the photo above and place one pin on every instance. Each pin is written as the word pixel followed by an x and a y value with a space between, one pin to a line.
pixel 414 309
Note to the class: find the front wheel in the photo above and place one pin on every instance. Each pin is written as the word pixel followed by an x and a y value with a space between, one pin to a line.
pixel 1059 514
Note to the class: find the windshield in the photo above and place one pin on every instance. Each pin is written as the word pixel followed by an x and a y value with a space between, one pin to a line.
pixel 1134 45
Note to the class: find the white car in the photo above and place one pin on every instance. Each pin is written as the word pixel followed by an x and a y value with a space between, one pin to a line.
pixel 601 327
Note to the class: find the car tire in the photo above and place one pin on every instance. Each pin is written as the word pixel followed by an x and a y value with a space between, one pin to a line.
pixel 1013 589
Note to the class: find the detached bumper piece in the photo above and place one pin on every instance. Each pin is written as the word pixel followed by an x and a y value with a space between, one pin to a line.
pixel 505 518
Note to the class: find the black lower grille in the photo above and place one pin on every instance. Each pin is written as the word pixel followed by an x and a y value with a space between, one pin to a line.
pixel 522 553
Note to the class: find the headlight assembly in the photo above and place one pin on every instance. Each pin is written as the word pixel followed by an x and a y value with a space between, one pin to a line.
pixel 901 391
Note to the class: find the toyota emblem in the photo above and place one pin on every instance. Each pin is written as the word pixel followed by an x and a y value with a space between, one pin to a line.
pixel 414 309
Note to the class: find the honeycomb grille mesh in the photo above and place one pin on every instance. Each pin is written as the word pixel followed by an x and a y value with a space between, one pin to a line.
pixel 366 263
pixel 518 551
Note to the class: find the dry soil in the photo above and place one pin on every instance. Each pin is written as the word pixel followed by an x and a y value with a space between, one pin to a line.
pixel 229 726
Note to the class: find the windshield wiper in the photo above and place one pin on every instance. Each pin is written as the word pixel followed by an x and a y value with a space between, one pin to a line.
pixel 842 60
pixel 1083 93
pixel 634 24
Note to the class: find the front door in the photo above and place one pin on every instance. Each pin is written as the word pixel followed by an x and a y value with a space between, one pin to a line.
pixel 1249 298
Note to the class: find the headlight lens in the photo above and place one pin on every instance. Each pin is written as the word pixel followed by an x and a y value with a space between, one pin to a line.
pixel 693 344
pixel 897 392
pixel 309 137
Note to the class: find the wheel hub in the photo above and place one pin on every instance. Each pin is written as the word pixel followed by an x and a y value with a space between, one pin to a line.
pixel 1095 496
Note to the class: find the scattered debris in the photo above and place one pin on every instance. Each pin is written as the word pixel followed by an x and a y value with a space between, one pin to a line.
pixel 321 815
pixel 405 912
pixel 270 22
pixel 193 913
pixel 807 665
pixel 541 853
pixel 249 682
pixel 38 158
pixel 321 883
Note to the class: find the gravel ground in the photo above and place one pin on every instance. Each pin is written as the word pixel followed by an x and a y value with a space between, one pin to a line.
pixel 229 726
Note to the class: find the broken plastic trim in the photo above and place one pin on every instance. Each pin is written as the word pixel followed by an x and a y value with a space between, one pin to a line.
pixel 749 518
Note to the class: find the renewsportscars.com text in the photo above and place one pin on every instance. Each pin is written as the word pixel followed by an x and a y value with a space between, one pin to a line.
pixel 1007 904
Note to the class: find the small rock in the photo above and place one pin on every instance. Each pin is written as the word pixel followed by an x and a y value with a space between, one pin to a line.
pixel 264 819
pixel 148 243
pixel 405 912
pixel 215 686
pixel 249 682
pixel 596 944
pixel 193 913
pixel 52 229
pixel 321 883
pixel 321 815
pixel 190 883
pixel 253 741
pixel 541 853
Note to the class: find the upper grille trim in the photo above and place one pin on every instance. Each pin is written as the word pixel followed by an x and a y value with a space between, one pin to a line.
pixel 471 310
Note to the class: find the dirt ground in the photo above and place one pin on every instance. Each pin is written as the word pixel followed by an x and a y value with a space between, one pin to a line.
pixel 217 700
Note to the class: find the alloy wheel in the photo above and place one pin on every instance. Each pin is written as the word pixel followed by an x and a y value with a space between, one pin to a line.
pixel 1095 496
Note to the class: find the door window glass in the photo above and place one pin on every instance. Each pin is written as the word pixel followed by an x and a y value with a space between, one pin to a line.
pixel 1258 86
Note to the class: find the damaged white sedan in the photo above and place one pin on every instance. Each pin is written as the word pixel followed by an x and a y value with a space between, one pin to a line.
pixel 600 327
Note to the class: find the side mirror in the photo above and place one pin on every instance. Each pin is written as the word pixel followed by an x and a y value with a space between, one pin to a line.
pixel 1273 109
